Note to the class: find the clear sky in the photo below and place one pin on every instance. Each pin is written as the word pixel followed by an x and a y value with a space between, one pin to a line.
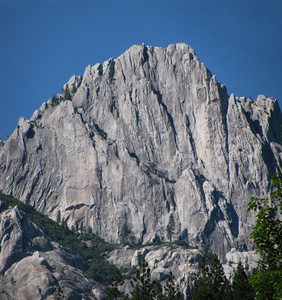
pixel 44 42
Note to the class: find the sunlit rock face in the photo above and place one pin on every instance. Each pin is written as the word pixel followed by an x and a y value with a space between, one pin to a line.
pixel 182 262
pixel 33 267
pixel 146 135
pixel 161 261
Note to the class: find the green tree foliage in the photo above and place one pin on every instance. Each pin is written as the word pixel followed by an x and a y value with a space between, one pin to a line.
pixel 267 235
pixel 126 236
pixel 74 89
pixel 170 227
pixel 211 283
pixel 59 295
pixel 113 291
pixel 143 287
pixel 241 287
pixel 171 291
pixel 55 101
pixel 66 93
pixel 98 267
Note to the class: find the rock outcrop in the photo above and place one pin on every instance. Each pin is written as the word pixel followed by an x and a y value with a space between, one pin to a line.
pixel 33 267
pixel 183 263
pixel 143 136
pixel 161 260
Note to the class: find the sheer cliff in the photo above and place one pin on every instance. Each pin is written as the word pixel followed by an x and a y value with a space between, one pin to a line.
pixel 143 136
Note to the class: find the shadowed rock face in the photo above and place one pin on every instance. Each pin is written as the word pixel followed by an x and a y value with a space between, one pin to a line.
pixel 146 135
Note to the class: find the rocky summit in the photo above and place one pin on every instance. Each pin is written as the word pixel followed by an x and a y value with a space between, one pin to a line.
pixel 144 136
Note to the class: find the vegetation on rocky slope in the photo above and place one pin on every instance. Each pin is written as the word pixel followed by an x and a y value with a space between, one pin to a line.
pixel 143 287
pixel 98 267
pixel 210 281
pixel 266 281
pixel 212 284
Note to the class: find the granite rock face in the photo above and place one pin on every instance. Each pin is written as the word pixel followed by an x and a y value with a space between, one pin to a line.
pixel 161 260
pixel 33 267
pixel 183 263
pixel 146 135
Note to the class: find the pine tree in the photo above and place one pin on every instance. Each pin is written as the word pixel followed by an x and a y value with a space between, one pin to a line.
pixel 143 287
pixel 241 287
pixel 171 291
pixel 59 293
pixel 114 292
pixel 74 89
pixel 66 94
pixel 125 234
pixel 201 289
pixel 170 227
pixel 211 283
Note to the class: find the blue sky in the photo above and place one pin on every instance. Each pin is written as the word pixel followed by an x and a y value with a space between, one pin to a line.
pixel 44 42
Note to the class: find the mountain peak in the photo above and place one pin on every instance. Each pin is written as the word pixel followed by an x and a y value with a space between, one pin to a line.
pixel 141 137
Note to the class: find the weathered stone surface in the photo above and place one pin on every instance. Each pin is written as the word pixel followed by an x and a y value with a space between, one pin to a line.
pixel 146 135
pixel 248 259
pixel 32 267
pixel 18 237
pixel 162 260
pixel 183 263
